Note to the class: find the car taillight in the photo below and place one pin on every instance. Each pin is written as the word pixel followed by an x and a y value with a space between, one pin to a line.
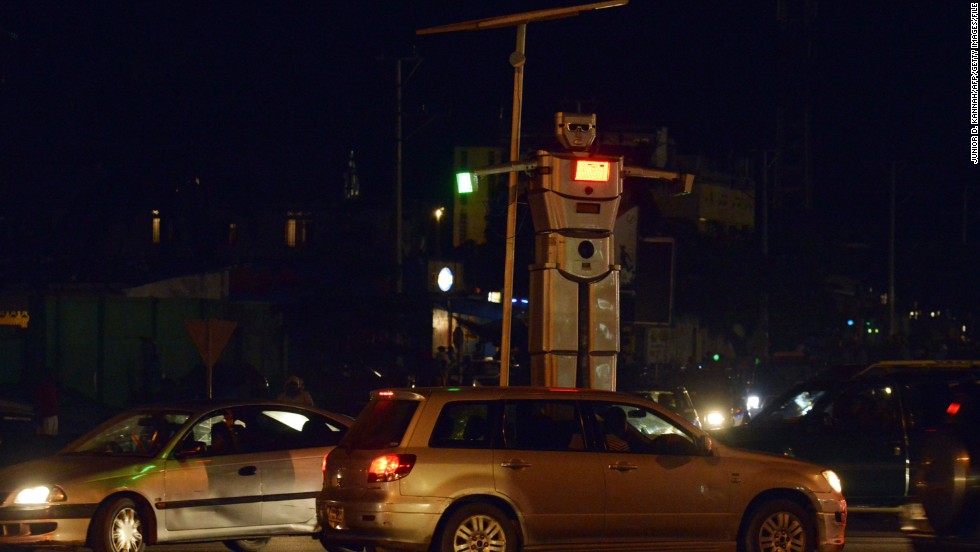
pixel 390 467
pixel 323 468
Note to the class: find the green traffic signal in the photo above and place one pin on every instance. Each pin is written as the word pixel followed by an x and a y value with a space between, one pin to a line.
pixel 465 182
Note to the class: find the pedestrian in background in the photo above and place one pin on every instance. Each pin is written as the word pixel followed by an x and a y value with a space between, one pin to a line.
pixel 442 363
pixel 294 392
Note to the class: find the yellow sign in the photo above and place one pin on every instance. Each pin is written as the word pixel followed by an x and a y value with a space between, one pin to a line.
pixel 14 318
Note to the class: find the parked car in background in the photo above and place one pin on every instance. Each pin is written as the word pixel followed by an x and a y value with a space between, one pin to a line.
pixel 867 424
pixel 944 512
pixel 721 410
pixel 524 468
pixel 674 398
pixel 234 471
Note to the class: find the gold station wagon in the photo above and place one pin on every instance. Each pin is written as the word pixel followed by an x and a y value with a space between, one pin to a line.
pixel 490 469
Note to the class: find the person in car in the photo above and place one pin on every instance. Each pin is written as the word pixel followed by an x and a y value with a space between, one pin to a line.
pixel 616 430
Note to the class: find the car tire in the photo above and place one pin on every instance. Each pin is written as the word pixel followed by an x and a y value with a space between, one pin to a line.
pixel 119 527
pixel 779 525
pixel 478 527
pixel 247 545
pixel 947 495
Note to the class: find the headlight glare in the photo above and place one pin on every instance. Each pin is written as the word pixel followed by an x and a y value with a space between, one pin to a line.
pixel 715 419
pixel 40 495
pixel 832 479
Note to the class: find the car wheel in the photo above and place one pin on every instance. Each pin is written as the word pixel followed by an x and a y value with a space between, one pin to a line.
pixel 118 527
pixel 247 545
pixel 946 494
pixel 478 528
pixel 779 526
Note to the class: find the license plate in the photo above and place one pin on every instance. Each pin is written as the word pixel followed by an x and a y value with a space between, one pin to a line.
pixel 335 516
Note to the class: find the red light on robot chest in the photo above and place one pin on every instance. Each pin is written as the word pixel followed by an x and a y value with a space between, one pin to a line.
pixel 590 170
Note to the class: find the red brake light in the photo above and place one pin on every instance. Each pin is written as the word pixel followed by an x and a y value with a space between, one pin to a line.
pixel 390 467
pixel 386 394
pixel 323 468
pixel 953 408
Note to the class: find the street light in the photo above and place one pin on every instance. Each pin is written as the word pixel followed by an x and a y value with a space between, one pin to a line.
pixel 438 214
pixel 517 59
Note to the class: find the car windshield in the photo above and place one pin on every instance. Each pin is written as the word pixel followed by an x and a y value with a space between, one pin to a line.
pixel 133 434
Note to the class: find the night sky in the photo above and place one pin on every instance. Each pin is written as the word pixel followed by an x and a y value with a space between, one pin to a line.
pixel 270 97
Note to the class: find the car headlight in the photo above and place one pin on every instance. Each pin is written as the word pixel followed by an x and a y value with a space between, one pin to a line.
pixel 832 479
pixel 40 495
pixel 715 419
pixel 752 402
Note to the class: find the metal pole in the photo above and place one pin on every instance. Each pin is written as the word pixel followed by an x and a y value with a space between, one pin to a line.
pixel 517 60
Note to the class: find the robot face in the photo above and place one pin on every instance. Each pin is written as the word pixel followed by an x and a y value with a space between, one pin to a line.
pixel 575 131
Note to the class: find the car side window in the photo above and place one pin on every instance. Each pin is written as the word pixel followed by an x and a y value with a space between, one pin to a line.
pixel 543 425
pixel 867 408
pixel 635 429
pixel 464 424
pixel 272 428
pixel 216 434
pixel 320 431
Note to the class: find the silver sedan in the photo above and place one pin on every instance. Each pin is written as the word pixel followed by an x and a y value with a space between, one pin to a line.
pixel 234 472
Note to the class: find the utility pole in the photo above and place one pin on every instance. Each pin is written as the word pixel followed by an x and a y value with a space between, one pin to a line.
pixel 399 140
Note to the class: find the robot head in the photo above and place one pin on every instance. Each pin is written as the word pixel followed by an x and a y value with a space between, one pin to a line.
pixel 575 131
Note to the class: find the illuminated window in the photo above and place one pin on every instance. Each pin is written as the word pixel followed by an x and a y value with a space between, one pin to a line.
pixel 298 228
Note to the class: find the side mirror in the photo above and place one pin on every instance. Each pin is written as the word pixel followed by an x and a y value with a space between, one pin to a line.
pixel 190 448
pixel 706 446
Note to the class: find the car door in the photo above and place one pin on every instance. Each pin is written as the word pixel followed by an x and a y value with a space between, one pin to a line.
pixel 213 483
pixel 859 433
pixel 289 445
pixel 658 487
pixel 545 469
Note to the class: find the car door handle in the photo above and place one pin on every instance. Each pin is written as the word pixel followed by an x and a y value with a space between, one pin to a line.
pixel 623 466
pixel 248 470
pixel 515 464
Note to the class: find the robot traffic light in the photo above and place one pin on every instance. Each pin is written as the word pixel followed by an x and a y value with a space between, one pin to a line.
pixel 574 310
pixel 574 304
